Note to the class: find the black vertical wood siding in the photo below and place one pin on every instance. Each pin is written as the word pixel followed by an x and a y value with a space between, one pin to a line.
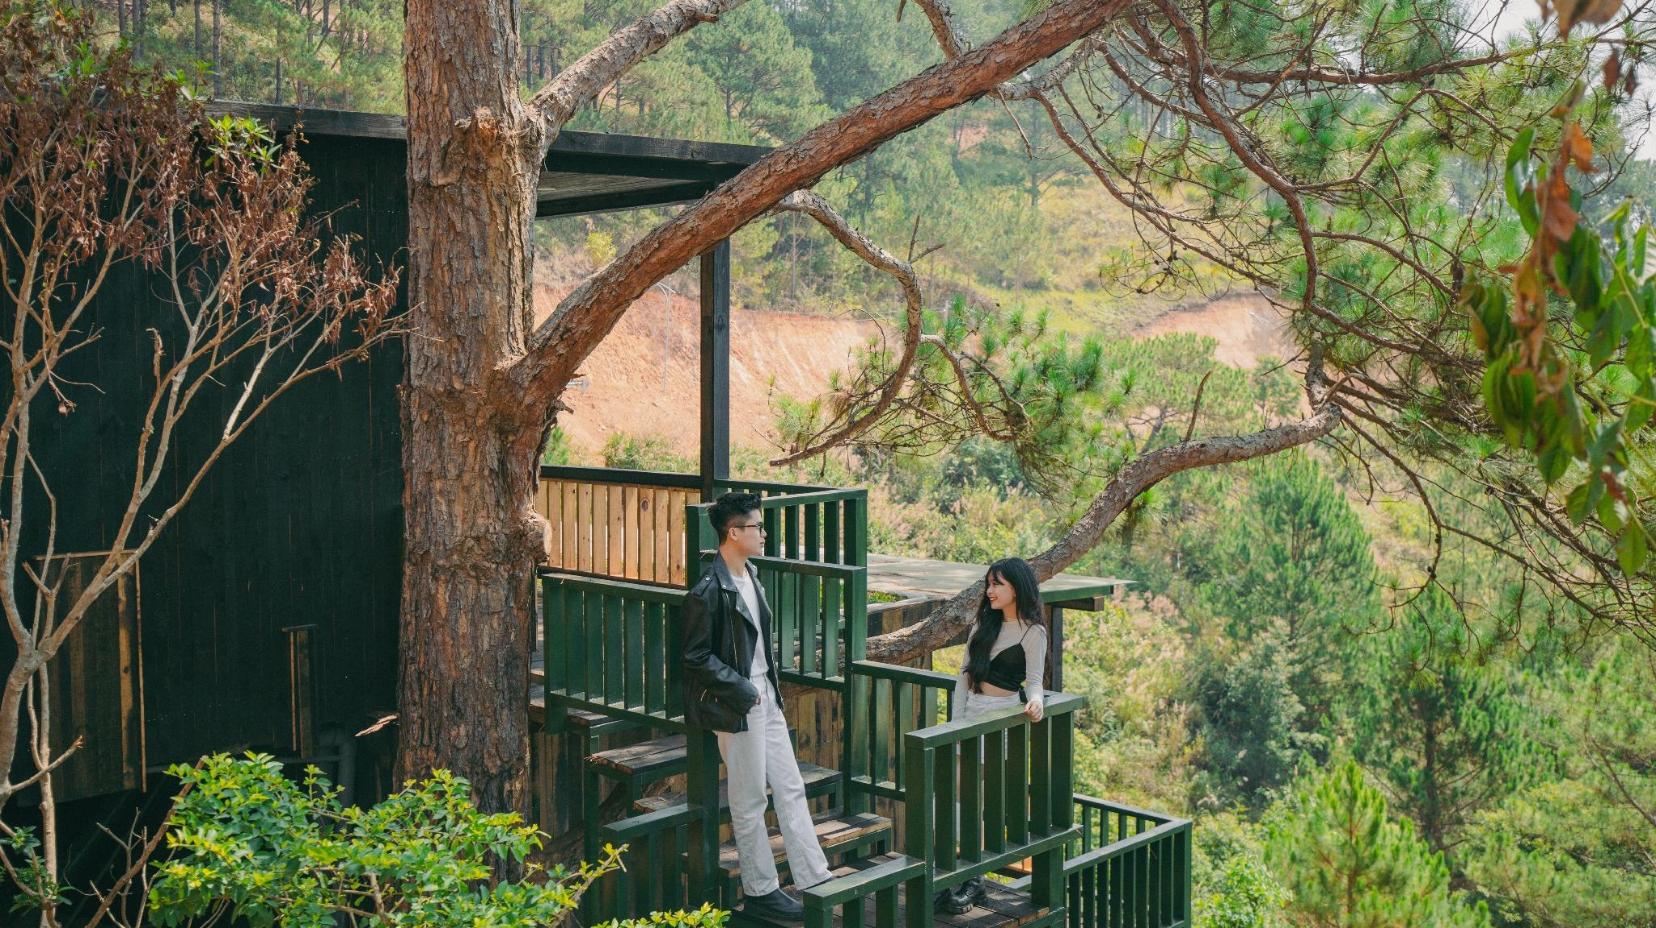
pixel 300 523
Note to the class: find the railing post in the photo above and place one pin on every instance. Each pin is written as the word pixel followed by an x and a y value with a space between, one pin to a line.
pixel 715 367
pixel 1186 916
pixel 917 809
pixel 698 534
pixel 855 734
pixel 702 790
pixel 856 531
pixel 554 676
pixel 1046 884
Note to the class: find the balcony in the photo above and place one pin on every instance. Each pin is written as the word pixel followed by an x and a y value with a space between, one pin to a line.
pixel 908 802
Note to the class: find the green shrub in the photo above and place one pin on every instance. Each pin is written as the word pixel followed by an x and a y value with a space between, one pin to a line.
pixel 247 842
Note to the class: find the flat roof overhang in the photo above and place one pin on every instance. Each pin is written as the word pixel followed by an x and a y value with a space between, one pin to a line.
pixel 585 172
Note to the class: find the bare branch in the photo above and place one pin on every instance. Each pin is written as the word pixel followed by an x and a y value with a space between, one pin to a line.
pixel 577 84
pixel 1139 475
pixel 817 208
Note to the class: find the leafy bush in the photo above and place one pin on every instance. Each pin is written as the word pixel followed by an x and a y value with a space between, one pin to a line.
pixel 248 842
pixel 630 452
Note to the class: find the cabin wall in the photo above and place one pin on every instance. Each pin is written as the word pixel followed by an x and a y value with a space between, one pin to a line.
pixel 300 524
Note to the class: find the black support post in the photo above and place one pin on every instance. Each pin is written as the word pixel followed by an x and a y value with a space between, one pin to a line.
pixel 715 366
pixel 1055 647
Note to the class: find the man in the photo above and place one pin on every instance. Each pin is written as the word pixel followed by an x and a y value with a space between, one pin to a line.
pixel 731 687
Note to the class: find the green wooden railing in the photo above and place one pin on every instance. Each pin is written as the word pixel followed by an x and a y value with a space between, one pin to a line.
pixel 987 793
pixel 848 894
pixel 612 647
pixel 977 797
pixel 819 615
pixel 1128 869
pixel 887 700
pixel 804 523
pixel 653 877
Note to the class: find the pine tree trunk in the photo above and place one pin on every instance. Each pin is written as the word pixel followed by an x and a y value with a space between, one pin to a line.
pixel 471 537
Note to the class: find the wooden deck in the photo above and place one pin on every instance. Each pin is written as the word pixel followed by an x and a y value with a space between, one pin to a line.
pixel 918 576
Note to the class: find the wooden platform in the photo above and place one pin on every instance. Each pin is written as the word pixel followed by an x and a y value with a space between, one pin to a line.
pixel 1003 907
pixel 918 576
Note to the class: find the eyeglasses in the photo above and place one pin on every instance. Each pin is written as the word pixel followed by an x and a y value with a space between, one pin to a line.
pixel 757 525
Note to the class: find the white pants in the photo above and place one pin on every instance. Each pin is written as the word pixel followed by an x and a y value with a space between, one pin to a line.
pixel 979 705
pixel 976 706
pixel 763 754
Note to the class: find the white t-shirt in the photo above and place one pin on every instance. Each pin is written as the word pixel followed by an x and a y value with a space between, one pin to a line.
pixel 750 595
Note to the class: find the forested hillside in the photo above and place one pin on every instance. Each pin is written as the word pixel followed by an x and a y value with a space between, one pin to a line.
pixel 998 207
pixel 1386 698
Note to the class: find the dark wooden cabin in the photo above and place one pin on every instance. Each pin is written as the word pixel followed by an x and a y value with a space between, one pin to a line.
pixel 266 618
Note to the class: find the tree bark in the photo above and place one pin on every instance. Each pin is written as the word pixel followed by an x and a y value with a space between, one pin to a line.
pixel 472 538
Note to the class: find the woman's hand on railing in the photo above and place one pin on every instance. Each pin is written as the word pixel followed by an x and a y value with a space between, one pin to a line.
pixel 1034 709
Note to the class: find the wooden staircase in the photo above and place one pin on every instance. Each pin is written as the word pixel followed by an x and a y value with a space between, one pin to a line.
pixel 973 798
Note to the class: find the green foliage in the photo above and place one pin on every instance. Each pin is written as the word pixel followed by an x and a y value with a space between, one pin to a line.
pixel 651 453
pixel 246 841
pixel 38 887
pixel 348 57
pixel 1038 392
pixel 1575 850
pixel 1348 864
pixel 1250 721
pixel 1574 395
pixel 1232 887
pixel 759 74
pixel 558 450
pixel 1243 896
pixel 1442 726
pixel 1290 557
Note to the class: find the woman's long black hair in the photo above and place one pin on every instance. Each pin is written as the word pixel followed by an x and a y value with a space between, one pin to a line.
pixel 1021 577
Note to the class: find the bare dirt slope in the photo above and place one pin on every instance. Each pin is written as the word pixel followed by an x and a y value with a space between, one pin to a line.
pixel 643 380
pixel 1246 326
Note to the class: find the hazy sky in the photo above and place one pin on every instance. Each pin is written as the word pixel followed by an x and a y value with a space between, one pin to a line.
pixel 1512 16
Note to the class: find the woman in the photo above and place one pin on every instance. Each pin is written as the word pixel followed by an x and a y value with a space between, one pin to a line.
pixel 1005 653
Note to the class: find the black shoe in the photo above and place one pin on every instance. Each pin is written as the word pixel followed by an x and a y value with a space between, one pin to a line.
pixel 972 891
pixel 950 903
pixel 775 905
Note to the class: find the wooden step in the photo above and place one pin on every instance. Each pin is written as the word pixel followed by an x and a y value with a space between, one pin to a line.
pixel 835 833
pixel 818 780
pixel 657 758
pixel 1002 907
pixel 592 722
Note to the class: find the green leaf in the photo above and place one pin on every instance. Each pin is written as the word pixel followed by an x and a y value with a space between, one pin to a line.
pixel 1633 548
pixel 1641 406
pixel 1520 175
pixel 1584 499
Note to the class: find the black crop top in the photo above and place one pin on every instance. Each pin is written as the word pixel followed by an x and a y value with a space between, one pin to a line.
pixel 1006 669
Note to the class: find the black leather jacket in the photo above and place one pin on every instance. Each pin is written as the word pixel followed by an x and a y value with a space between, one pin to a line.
pixel 718 649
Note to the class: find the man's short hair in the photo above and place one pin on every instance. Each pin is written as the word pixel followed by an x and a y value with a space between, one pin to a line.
pixel 729 508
